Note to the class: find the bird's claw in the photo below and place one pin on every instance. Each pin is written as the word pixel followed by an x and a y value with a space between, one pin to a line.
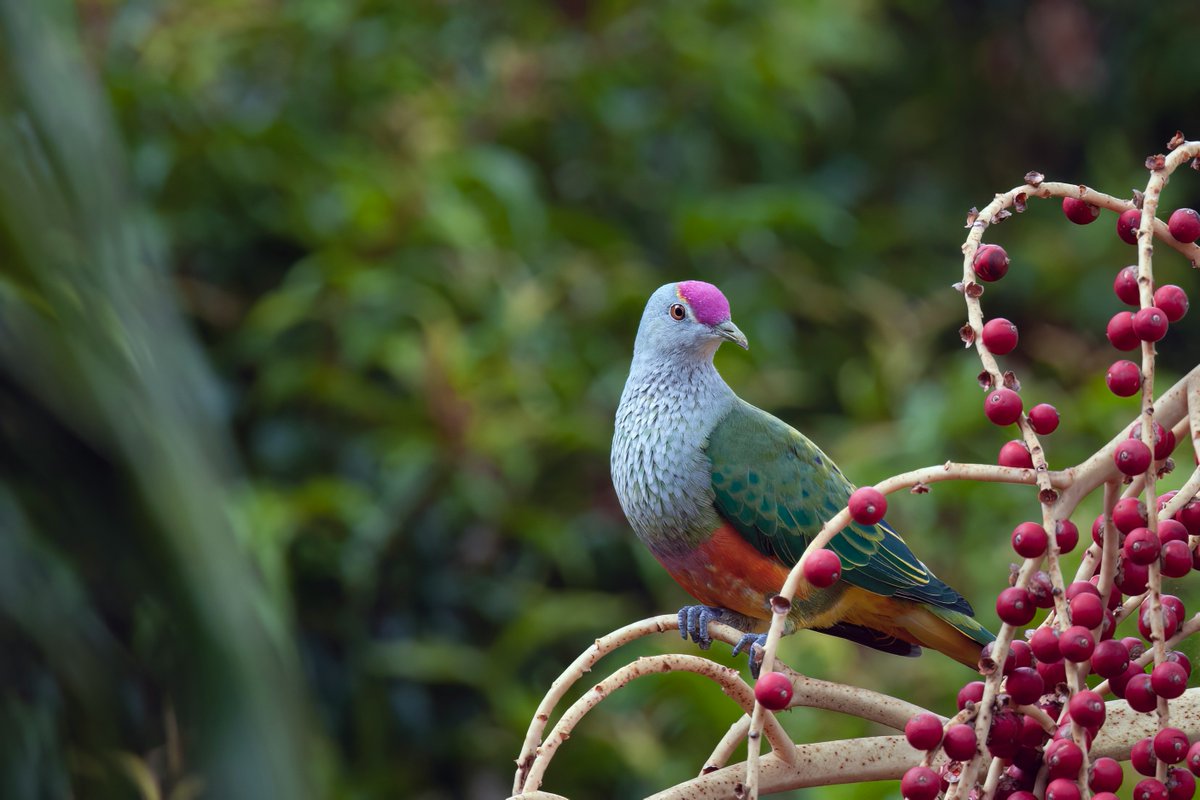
pixel 755 645
pixel 693 622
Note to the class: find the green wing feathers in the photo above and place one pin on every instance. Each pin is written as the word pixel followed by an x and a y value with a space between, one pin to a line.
pixel 964 624
pixel 777 488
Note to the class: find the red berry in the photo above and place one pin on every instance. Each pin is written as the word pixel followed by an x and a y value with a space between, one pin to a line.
pixel 867 505
pixel 773 691
pixel 1189 517
pixel 1132 457
pixel 1176 657
pixel 1076 588
pixel 920 783
pixel 1053 674
pixel 1066 534
pixel 1129 513
pixel 1150 789
pixel 823 568
pixel 1109 627
pixel 1003 406
pixel 1088 610
pixel 1193 758
pixel 1076 644
pixel 1142 757
pixel 1171 745
pixel 1168 680
pixel 1015 454
pixel 991 262
pixel 1033 736
pixel 1019 655
pixel 1030 540
pixel 1184 225
pixel 1164 442
pixel 1105 775
pixel 1120 331
pixel 1131 577
pixel 1105 796
pixel 1172 300
pixel 1172 602
pixel 1015 606
pixel 924 731
pixel 971 693
pixel 1176 559
pixel 1078 211
pixel 1135 646
pixel 1044 644
pixel 1002 735
pixel 960 743
pixel 1142 546
pixel 1000 336
pixel 1043 418
pixel 1063 758
pixel 1087 708
pixel 1121 682
pixel 1109 659
pixel 1150 324
pixel 1063 789
pixel 1180 784
pixel 1025 686
pixel 1128 224
pixel 1171 530
pixel 1124 378
pixel 1126 286
pixel 1140 694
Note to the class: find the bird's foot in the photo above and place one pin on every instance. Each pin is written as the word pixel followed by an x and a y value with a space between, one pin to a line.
pixel 693 622
pixel 755 645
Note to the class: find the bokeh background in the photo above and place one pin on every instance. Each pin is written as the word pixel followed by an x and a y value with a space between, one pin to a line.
pixel 315 315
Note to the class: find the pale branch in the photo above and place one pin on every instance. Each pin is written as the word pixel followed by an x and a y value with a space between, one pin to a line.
pixel 1048 725
pixel 729 742
pixel 814 693
pixel 852 700
pixel 879 758
pixel 808 692
pixel 1123 726
pixel 993 776
pixel 728 678
pixel 874 758
pixel 1145 249
pixel 563 683
pixel 1193 406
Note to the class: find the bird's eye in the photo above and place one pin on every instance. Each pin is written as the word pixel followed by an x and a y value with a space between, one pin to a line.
pixel 677 311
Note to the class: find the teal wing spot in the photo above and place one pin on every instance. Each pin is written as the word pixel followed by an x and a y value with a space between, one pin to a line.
pixel 787 488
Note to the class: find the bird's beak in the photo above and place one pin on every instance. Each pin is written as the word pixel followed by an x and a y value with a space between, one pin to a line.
pixel 730 332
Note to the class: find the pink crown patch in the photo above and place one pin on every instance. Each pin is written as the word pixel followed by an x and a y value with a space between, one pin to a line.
pixel 706 300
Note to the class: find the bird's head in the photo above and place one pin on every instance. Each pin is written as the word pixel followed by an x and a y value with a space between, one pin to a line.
pixel 689 318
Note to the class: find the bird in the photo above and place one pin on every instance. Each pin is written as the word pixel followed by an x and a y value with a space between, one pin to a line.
pixel 727 496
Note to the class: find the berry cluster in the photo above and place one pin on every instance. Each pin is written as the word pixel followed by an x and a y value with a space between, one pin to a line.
pixel 1042 700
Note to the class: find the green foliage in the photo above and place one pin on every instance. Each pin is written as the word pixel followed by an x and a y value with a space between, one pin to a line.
pixel 412 241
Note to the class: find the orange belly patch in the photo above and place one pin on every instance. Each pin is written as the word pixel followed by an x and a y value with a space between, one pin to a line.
pixel 727 571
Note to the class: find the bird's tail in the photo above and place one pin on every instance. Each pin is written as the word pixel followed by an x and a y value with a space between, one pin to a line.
pixel 949 632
